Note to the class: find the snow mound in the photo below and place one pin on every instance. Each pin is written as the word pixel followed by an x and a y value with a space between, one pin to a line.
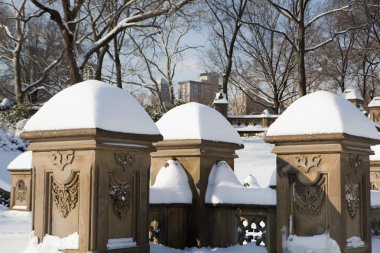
pixel 224 188
pixel 376 156
pixel 52 244
pixel 251 182
pixel 311 244
pixel 21 162
pixel 352 94
pixel 93 104
pixel 355 242
pixel 322 112
pixel 171 185
pixel 197 121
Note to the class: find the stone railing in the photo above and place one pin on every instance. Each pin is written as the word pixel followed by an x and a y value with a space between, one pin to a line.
pixel 246 124
pixel 228 225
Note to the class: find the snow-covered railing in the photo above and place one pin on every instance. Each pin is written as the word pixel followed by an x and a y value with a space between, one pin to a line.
pixel 252 123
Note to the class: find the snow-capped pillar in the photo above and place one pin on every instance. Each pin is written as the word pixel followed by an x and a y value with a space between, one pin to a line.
pixel 323 171
pixel 374 109
pixel 197 136
pixel 91 160
pixel 21 182
pixel 220 103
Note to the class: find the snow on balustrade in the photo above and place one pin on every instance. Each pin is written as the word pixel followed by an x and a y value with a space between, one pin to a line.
pixel 342 117
pixel 204 123
pixel 311 244
pixel 171 185
pixel 21 162
pixel 224 188
pixel 93 104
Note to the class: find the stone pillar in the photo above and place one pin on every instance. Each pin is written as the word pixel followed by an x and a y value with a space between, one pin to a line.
pixel 93 182
pixel 221 103
pixel 374 109
pixel 21 182
pixel 322 186
pixel 375 175
pixel 197 158
pixel 21 190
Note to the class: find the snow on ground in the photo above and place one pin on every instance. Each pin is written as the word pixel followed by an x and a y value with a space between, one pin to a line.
pixel 334 115
pixel 171 186
pixel 196 121
pixel 224 188
pixel 93 104
pixel 256 159
pixel 5 178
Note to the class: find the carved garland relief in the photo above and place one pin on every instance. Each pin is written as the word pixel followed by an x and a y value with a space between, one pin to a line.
pixel 65 196
pixel 62 158
pixel 125 160
pixel 308 195
pixel 21 190
pixel 121 195
pixel 352 186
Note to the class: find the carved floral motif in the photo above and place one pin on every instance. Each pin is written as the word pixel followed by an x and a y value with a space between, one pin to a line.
pixel 125 160
pixel 307 163
pixel 21 190
pixel 352 198
pixel 65 196
pixel 121 194
pixel 309 199
pixel 62 158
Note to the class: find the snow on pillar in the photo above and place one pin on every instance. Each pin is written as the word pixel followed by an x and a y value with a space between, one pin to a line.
pixel 91 145
pixel 323 147
pixel 197 136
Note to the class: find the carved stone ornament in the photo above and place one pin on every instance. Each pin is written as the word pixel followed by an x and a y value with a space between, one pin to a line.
pixel 307 163
pixel 125 160
pixel 121 195
pixel 355 163
pixel 309 199
pixel 62 158
pixel 65 196
pixel 352 198
pixel 21 190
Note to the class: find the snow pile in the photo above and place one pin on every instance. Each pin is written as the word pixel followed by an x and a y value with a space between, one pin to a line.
pixel 375 198
pixel 352 94
pixel 224 188
pixel 256 159
pixel 251 182
pixel 52 244
pixel 5 104
pixel 93 104
pixel 171 185
pixel 248 248
pixel 196 121
pixel 355 242
pixel 22 162
pixel 311 244
pixel 323 113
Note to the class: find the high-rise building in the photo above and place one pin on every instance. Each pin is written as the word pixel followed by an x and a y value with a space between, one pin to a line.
pixel 163 86
pixel 201 91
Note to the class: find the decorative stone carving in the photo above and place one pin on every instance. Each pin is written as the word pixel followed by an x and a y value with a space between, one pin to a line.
pixel 62 158
pixel 252 228
pixel 308 163
pixel 309 199
pixel 125 160
pixel 352 198
pixel 121 194
pixel 65 196
pixel 20 190
pixel 355 164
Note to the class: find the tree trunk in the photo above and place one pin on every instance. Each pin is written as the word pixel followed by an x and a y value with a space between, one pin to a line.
pixel 119 82
pixel 301 51
pixel 101 54
pixel 74 71
pixel 17 73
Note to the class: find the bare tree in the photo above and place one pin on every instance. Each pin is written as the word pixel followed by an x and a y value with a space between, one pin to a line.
pixel 226 24
pixel 67 15
pixel 266 61
pixel 304 22
pixel 13 48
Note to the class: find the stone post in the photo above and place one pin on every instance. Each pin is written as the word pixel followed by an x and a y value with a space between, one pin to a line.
pixel 197 146
pixel 21 182
pixel 90 180
pixel 220 103
pixel 374 109
pixel 323 178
